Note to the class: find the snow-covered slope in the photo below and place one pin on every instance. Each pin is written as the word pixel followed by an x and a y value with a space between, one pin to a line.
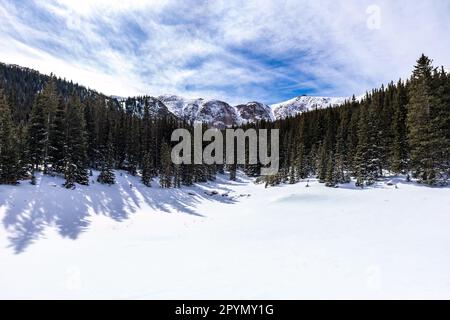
pixel 136 105
pixel 216 113
pixel 254 111
pixel 301 104
pixel 246 242
pixel 220 114
pixel 181 107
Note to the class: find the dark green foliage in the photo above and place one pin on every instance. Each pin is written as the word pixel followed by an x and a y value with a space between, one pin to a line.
pixel 37 132
pixel 399 128
pixel 9 161
pixel 57 138
pixel 33 180
pixel 107 175
pixel 400 151
pixel 62 128
pixel 75 151
pixel 232 168
pixel 147 170
pixel 166 174
pixel 427 123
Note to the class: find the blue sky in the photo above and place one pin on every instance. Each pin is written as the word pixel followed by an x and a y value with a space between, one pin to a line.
pixel 236 51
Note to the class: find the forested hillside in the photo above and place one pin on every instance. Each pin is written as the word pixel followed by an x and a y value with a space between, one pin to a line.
pixel 60 128
pixel 401 128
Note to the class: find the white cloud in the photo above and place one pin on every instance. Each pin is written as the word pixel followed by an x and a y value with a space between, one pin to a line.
pixel 233 50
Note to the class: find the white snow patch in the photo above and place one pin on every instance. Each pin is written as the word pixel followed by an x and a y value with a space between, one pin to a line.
pixel 290 242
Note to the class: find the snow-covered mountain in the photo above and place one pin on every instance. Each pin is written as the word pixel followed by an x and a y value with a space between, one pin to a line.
pixel 220 114
pixel 254 111
pixel 186 109
pixel 302 104
pixel 137 105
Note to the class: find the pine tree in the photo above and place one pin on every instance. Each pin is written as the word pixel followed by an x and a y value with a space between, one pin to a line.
pixel 107 175
pixel 22 149
pixel 166 174
pixel 232 169
pixel 37 134
pixel 420 117
pixel 322 163
pixel 300 163
pixel 440 126
pixel 292 175
pixel 367 160
pixel 75 147
pixel 147 168
pixel 361 157
pixel 41 123
pixel 330 178
pixel 57 138
pixel 341 161
pixel 9 162
pixel 177 176
pixel 400 140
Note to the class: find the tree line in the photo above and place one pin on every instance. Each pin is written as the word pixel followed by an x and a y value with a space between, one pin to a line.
pixel 401 128
pixel 70 130
pixel 60 128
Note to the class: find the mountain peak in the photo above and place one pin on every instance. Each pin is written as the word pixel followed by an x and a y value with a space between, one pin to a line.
pixel 300 104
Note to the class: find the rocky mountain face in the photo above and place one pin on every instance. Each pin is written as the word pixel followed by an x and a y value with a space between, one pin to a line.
pixel 254 111
pixel 137 105
pixel 220 114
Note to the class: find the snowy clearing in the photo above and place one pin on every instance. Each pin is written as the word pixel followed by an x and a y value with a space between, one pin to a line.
pixel 245 242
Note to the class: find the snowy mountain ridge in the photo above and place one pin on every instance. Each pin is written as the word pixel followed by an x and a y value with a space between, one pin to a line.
pixel 295 106
pixel 216 113
pixel 221 114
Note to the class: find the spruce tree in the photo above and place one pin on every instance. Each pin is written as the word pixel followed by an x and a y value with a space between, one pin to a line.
pixel 232 169
pixel 400 140
pixel 361 159
pixel 107 175
pixel 9 162
pixel 420 116
pixel 40 125
pixel 22 149
pixel 440 126
pixel 37 133
pixel 165 178
pixel 300 163
pixel 76 170
pixel 322 162
pixel 57 138
pixel 367 158
pixel 147 168
pixel 330 177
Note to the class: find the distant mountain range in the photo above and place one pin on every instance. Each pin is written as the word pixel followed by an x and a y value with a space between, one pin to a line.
pixel 221 114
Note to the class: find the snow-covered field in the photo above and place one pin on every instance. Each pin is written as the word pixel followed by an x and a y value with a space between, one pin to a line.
pixel 291 242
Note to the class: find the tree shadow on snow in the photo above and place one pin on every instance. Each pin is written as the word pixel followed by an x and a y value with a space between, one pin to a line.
pixel 29 210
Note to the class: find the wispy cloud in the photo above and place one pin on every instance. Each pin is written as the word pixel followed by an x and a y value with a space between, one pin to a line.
pixel 232 50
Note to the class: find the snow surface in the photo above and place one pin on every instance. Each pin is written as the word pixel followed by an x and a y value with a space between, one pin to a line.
pixel 301 104
pixel 129 241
